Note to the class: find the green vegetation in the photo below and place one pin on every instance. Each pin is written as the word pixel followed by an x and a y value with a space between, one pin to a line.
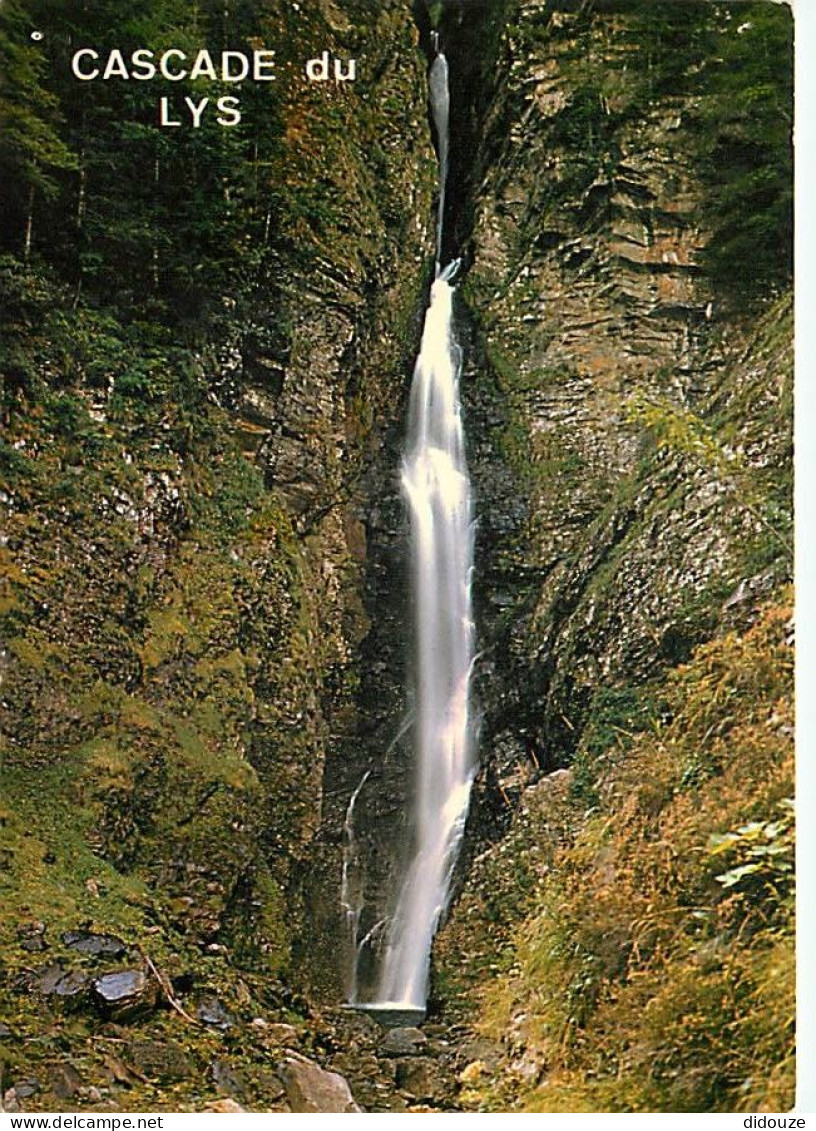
pixel 728 69
pixel 735 65
pixel 747 150
pixel 647 951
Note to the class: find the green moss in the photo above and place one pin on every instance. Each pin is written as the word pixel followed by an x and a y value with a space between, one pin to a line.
pixel 615 716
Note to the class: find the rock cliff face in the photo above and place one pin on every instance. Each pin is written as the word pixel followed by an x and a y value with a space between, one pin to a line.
pixel 625 419
pixel 629 430
pixel 631 446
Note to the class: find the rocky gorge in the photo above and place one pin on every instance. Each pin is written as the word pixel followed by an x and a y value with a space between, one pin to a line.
pixel 206 631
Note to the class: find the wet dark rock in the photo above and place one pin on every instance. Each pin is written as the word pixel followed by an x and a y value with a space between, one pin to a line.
pixel 212 1012
pixel 419 1077
pixel 125 994
pixel 160 1060
pixel 88 942
pixel 393 1017
pixel 310 1088
pixel 404 1042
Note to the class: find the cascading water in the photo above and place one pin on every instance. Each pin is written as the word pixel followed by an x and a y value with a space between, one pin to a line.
pixel 351 885
pixel 438 494
pixel 440 108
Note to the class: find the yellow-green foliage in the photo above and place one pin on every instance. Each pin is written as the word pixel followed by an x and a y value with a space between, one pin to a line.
pixel 655 971
pixel 141 655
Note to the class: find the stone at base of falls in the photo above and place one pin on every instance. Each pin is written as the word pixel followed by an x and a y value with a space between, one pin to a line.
pixel 310 1088
pixel 404 1041
pixel 64 986
pixel 419 1077
pixel 392 1015
pixel 89 942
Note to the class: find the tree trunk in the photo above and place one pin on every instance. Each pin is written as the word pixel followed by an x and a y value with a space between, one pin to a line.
pixel 29 228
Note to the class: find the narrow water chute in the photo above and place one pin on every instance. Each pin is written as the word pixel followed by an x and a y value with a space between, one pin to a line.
pixel 437 490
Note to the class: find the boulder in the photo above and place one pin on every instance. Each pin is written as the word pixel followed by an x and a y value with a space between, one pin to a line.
pixel 404 1041
pixel 88 942
pixel 310 1088
pixel 124 994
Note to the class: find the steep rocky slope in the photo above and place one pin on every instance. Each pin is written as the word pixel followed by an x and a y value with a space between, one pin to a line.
pixel 653 465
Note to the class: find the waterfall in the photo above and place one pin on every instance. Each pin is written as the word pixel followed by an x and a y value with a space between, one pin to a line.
pixel 440 108
pixel 351 887
pixel 438 495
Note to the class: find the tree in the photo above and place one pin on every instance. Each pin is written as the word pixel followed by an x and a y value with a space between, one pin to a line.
pixel 32 152
pixel 747 149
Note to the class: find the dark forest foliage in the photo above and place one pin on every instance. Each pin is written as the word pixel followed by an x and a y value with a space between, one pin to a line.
pixel 731 66
pixel 735 62
pixel 159 220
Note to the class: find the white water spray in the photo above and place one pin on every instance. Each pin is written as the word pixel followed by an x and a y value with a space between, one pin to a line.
pixel 440 108
pixel 351 886
pixel 437 490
